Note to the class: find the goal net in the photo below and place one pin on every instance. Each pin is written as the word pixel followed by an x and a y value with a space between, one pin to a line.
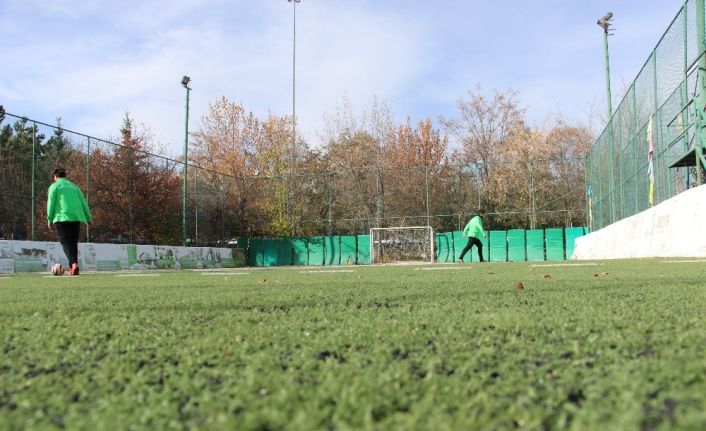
pixel 402 244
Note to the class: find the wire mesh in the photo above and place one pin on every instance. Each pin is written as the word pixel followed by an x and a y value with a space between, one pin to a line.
pixel 137 196
pixel 657 107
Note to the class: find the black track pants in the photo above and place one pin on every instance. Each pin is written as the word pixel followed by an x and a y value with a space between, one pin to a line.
pixel 68 236
pixel 471 242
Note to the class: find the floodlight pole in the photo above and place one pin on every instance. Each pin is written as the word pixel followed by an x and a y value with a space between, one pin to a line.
pixel 604 23
pixel 34 158
pixel 607 74
pixel 185 83
pixel 294 104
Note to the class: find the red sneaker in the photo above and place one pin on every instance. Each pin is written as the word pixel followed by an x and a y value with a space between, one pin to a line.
pixel 74 269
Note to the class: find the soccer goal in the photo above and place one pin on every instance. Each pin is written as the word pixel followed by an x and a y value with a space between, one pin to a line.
pixel 402 244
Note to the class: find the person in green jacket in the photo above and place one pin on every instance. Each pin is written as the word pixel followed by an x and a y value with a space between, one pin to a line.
pixel 66 210
pixel 474 230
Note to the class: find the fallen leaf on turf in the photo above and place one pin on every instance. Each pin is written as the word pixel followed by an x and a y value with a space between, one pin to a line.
pixel 547 276
pixel 263 281
pixel 519 286
pixel 491 273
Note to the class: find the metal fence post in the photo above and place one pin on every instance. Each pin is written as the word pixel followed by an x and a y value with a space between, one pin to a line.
pixel 88 182
pixel 426 192
pixel 34 157
pixel 700 35
pixel 329 193
pixel 533 219
pixel 196 208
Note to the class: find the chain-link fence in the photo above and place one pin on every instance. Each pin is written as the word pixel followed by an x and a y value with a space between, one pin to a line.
pixel 662 111
pixel 136 196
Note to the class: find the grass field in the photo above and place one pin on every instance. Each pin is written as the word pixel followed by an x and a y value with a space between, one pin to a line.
pixel 608 346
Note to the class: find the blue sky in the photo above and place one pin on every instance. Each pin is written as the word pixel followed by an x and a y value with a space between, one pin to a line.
pixel 90 61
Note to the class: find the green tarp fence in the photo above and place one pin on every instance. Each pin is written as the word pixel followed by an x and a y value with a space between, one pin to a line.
pixel 332 250
pixel 444 247
pixel 270 249
pixel 459 242
pixel 498 246
pixel 255 252
pixel 348 250
pixel 554 243
pixel 300 251
pixel 363 249
pixel 284 251
pixel 571 234
pixel 516 247
pixel 535 244
pixel 315 246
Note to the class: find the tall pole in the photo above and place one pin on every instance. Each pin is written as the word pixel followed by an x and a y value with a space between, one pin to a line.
pixel 294 71
pixel 88 183
pixel 604 22
pixel 185 83
pixel 607 73
pixel 34 157
pixel 294 107
pixel 700 33
pixel 223 215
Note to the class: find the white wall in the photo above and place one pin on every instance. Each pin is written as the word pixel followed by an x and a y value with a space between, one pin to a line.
pixel 674 228
pixel 38 256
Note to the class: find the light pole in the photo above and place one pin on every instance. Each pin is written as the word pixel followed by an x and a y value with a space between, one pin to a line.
pixel 294 63
pixel 294 104
pixel 185 83
pixel 604 22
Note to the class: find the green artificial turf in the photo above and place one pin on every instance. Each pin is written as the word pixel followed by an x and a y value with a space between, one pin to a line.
pixel 614 346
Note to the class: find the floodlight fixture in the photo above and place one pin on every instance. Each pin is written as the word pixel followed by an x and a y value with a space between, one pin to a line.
pixel 604 21
pixel 184 222
pixel 2 113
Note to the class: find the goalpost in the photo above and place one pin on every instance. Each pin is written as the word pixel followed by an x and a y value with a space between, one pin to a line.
pixel 402 244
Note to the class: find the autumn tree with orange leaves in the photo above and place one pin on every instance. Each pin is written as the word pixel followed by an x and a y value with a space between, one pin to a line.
pixel 135 197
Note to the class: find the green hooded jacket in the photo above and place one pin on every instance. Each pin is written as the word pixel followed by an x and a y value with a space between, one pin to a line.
pixel 66 203
pixel 474 228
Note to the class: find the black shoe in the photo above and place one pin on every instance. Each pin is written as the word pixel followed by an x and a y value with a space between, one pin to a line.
pixel 460 259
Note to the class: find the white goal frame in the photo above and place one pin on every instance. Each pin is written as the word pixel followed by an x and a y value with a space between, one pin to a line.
pixel 377 253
